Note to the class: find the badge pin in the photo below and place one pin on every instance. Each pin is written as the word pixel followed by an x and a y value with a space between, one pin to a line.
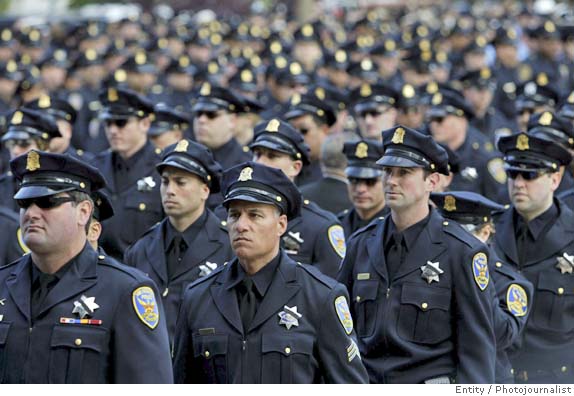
pixel 289 317
pixel 146 184
pixel 565 263
pixel 85 307
pixel 207 268
pixel 3 302
pixel 431 272
pixel 1 318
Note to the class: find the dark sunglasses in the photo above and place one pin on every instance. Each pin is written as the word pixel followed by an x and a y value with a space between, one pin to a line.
pixel 119 123
pixel 49 202
pixel 24 143
pixel 526 174
pixel 525 111
pixel 369 182
pixel 304 131
pixel 438 120
pixel 209 114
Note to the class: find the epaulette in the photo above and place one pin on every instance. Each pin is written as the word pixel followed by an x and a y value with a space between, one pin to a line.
pixel 341 215
pixel 318 275
pixel 316 209
pixel 223 225
pixel 454 229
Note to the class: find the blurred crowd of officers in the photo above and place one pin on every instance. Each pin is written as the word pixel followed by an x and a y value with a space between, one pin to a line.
pixel 380 195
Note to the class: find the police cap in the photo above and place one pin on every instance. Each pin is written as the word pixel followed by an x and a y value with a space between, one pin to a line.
pixel 43 174
pixel 465 207
pixel 31 124
pixel 311 103
pixel 407 148
pixel 525 152
pixel 369 96
pixel 167 119
pixel 195 158
pixel 213 98
pixel 103 208
pixel 449 102
pixel 550 126
pixel 537 92
pixel 255 182
pixel 56 107
pixel 362 157
pixel 123 103
pixel 281 136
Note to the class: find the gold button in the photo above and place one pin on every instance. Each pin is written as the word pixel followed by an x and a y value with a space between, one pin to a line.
pixel 564 369
pixel 206 354
pixel 424 305
pixel 142 206
pixel 445 223
pixel 287 350
pixel 560 290
pixel 512 371
pixel 498 264
pixel 358 298
pixel 306 202
pixel 101 257
pixel 78 341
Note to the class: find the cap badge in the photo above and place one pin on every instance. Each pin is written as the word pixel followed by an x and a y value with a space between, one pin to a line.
pixel 44 102
pixel 366 90
pixel 11 66
pixel 432 87
pixel 182 146
pixel 398 136
pixel 113 95
pixel 307 30
pixel 485 74
pixel 408 91
pixel 549 27
pixel 545 118
pixel 183 61
pixel 361 151
pixel 295 99
pixel 522 143
pixel 246 76
pixel 295 69
pixel 390 45
pixel 276 47
pixel 542 79
pixel 245 174
pixel 340 56
pixel 120 75
pixel 17 118
pixel 272 126
pixel 212 68
pixel 320 93
pixel 91 54
pixel 33 161
pixel 449 203
pixel 205 89
pixel 141 58
pixel 437 98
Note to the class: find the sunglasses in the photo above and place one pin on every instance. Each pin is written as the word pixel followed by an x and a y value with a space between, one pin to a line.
pixel 23 143
pixel 526 174
pixel 209 114
pixel 119 123
pixel 304 131
pixel 438 120
pixel 49 202
pixel 368 182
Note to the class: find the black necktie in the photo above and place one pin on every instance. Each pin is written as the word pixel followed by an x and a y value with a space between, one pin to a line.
pixel 175 255
pixel 44 284
pixel 395 256
pixel 521 241
pixel 247 302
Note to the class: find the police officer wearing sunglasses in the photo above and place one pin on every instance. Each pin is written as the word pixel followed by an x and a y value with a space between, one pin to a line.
pixel 68 314
pixel 536 236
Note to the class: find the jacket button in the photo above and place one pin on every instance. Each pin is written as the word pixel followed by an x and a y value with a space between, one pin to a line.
pixel 358 298
pixel 206 354
pixel 498 264
pixel 78 341
pixel 560 290
pixel 424 305
pixel 142 206
pixel 564 369
pixel 287 350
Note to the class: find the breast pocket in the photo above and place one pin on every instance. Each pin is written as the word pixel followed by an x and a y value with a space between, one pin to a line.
pixel 78 355
pixel 424 314
pixel 210 355
pixel 287 359
pixel 4 330
pixel 142 210
pixel 554 302
pixel 365 302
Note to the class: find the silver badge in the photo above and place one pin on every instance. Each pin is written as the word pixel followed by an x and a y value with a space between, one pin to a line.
pixel 1 318
pixel 431 272
pixel 565 263
pixel 85 307
pixel 292 242
pixel 469 173
pixel 289 317
pixel 207 268
pixel 146 184
pixel 3 301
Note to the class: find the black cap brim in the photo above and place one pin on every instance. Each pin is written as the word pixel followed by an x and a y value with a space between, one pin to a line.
pixel 399 162
pixel 360 172
pixel 27 192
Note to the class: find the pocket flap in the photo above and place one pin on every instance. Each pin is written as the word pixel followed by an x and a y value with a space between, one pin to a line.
pixel 556 283
pixel 78 337
pixel 210 345
pixel 287 344
pixel 4 329
pixel 365 290
pixel 425 297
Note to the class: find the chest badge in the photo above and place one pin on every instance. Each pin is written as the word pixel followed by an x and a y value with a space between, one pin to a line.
pixel 85 307
pixel 3 302
pixel 146 184
pixel 289 317
pixel 207 268
pixel 565 263
pixel 431 272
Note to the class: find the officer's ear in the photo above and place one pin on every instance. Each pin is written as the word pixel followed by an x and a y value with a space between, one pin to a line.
pixel 556 178
pixel 431 182
pixel 281 225
pixel 94 232
pixel 85 209
pixel 145 123
pixel 297 166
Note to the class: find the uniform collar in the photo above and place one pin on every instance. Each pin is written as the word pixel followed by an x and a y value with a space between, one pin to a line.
pixel 188 235
pixel 262 279
pixel 539 224
pixel 410 235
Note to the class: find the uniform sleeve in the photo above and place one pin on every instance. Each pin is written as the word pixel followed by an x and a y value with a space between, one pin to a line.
pixel 330 248
pixel 141 345
pixel 475 343
pixel 339 357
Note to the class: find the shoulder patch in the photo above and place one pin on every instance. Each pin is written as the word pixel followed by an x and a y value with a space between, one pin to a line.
pixel 344 314
pixel 337 239
pixel 145 306
pixel 480 270
pixel 517 300
pixel 496 169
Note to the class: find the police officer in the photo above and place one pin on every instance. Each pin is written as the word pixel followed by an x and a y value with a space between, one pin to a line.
pixel 129 169
pixel 168 126
pixel 214 123
pixel 512 293
pixel 365 188
pixel 263 318
pixel 12 246
pixel 103 210
pixel 481 169
pixel 535 96
pixel 191 241
pixel 419 283
pixel 374 109
pixel 315 236
pixel 535 236
pixel 27 130
pixel 69 316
